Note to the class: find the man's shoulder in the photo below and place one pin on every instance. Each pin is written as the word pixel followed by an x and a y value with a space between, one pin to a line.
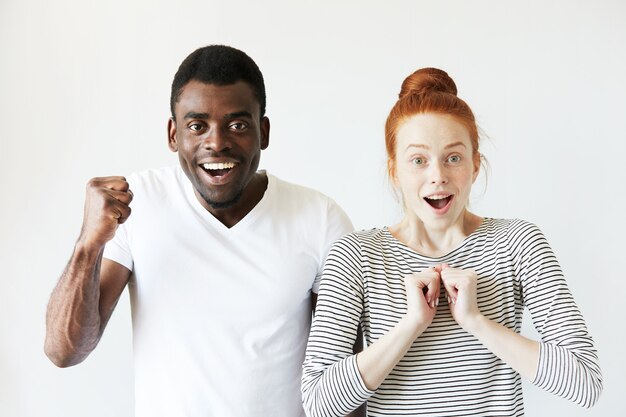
pixel 305 202
pixel 161 174
pixel 155 178
pixel 287 191
pixel 156 185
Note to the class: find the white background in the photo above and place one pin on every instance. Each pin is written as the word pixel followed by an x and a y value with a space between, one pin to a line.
pixel 84 91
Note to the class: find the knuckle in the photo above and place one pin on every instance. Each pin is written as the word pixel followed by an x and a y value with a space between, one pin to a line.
pixel 93 183
pixel 110 203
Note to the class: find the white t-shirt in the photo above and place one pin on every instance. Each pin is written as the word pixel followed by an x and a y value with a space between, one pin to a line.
pixel 221 316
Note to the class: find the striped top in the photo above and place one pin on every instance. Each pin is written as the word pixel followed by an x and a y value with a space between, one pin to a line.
pixel 447 371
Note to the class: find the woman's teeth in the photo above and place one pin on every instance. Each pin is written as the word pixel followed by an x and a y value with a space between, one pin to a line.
pixel 438 201
pixel 438 196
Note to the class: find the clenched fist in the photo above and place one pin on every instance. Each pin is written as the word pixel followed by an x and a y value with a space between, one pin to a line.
pixel 106 207
pixel 422 295
pixel 461 286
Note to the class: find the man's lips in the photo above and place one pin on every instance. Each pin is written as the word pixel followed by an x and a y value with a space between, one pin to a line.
pixel 218 172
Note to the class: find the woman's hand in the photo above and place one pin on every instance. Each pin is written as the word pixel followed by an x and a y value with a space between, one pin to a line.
pixel 460 284
pixel 379 358
pixel 422 296
pixel 520 353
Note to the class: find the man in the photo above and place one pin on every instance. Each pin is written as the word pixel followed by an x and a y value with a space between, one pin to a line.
pixel 220 259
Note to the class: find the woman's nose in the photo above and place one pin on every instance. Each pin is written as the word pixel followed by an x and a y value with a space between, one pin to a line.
pixel 438 173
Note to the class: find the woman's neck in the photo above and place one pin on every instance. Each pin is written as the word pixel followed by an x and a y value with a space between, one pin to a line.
pixel 435 240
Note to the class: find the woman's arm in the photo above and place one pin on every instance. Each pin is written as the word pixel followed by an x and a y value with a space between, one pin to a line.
pixel 335 381
pixel 519 352
pixel 331 385
pixel 565 361
pixel 568 360
pixel 379 359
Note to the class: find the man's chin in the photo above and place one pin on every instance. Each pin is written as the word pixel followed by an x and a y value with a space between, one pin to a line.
pixel 221 205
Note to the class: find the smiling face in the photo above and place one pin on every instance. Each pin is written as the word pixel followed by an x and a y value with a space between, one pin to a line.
pixel 435 167
pixel 219 134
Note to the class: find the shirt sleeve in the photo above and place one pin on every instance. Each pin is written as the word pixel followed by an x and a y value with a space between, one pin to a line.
pixel 568 360
pixel 331 382
pixel 118 248
pixel 337 225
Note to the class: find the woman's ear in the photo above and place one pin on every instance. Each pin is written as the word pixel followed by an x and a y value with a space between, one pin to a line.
pixel 477 158
pixel 391 171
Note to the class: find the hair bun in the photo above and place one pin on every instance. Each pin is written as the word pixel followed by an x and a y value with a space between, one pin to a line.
pixel 427 80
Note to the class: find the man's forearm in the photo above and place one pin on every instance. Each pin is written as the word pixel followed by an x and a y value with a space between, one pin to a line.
pixel 73 321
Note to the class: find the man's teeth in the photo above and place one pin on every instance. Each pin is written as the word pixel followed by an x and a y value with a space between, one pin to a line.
pixel 438 196
pixel 219 165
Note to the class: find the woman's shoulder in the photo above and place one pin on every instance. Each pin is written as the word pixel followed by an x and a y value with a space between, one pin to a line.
pixel 363 238
pixel 369 236
pixel 510 225
pixel 518 234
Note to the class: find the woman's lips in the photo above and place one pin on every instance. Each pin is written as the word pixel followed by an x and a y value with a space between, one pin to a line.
pixel 439 202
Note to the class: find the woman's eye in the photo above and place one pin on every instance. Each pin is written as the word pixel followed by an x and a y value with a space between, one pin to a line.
pixel 454 159
pixel 417 161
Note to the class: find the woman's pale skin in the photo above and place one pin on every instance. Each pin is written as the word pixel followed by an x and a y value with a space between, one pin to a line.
pixel 434 169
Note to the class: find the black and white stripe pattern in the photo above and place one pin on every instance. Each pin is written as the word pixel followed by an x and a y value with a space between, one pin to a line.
pixel 447 371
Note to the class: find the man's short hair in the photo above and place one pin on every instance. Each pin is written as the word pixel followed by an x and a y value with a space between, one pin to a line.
pixel 219 65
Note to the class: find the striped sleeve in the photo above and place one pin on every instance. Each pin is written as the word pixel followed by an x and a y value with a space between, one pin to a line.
pixel 568 360
pixel 331 382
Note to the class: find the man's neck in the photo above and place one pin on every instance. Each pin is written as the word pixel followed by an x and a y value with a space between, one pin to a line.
pixel 250 197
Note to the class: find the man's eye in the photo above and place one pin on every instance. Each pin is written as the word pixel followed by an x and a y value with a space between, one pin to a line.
pixel 196 127
pixel 238 126
pixel 454 159
pixel 417 161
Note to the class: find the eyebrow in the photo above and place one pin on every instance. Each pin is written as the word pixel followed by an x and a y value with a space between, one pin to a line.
pixel 238 114
pixel 194 115
pixel 229 116
pixel 452 145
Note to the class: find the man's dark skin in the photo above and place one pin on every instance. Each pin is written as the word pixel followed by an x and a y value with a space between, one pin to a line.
pixel 214 126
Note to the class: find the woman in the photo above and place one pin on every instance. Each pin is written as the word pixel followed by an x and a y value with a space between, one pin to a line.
pixel 440 295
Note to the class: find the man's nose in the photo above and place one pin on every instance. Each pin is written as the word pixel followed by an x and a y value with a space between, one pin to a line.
pixel 217 140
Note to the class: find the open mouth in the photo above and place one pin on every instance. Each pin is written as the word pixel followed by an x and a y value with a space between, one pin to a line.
pixel 438 201
pixel 218 169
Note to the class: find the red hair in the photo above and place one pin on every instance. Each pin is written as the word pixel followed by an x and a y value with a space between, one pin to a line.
pixel 427 90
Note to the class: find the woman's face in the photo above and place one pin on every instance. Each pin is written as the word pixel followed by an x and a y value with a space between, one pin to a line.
pixel 435 168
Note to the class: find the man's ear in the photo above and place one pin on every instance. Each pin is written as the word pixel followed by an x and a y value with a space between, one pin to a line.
pixel 265 132
pixel 171 135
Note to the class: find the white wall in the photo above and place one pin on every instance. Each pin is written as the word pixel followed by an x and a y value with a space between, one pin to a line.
pixel 84 90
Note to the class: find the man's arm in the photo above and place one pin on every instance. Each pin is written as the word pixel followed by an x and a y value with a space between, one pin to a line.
pixel 85 296
pixel 81 305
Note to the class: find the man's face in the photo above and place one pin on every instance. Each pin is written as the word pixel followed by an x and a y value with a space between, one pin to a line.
pixel 218 134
